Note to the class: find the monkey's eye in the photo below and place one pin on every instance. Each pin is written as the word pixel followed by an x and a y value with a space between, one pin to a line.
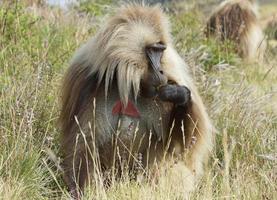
pixel 156 47
pixel 161 43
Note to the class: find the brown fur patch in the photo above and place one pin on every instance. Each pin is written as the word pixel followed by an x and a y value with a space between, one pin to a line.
pixel 237 21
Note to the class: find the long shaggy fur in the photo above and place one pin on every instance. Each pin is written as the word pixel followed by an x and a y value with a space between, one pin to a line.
pixel 116 53
pixel 238 21
pixel 271 27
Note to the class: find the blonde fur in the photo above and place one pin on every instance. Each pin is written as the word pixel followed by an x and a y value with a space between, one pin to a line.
pixel 118 48
pixel 238 21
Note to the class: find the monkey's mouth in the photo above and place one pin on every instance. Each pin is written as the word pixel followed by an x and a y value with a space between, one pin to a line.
pixel 150 88
pixel 160 86
pixel 149 91
pixel 168 82
pixel 151 84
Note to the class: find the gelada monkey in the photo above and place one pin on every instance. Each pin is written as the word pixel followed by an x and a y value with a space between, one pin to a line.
pixel 127 92
pixel 238 21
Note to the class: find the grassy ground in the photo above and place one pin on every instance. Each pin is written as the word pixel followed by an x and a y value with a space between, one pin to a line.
pixel 35 46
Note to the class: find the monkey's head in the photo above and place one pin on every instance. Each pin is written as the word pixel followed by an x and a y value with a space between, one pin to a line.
pixel 131 46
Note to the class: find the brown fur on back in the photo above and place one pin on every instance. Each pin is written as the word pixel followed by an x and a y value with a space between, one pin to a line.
pixel 230 22
pixel 237 21
pixel 271 27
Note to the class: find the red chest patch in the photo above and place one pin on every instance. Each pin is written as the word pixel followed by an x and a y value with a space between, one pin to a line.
pixel 129 110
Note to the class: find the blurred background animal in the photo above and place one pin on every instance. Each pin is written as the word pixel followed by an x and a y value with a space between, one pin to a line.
pixel 270 26
pixel 238 21
pixel 128 99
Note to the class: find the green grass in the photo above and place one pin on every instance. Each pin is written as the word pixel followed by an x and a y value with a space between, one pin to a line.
pixel 35 47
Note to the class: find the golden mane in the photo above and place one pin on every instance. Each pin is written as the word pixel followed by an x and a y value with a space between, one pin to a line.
pixel 117 51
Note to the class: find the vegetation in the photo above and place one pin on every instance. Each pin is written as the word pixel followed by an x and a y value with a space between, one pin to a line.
pixel 36 43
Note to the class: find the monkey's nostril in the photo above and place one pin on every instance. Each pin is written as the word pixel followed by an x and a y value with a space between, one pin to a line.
pixel 161 71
